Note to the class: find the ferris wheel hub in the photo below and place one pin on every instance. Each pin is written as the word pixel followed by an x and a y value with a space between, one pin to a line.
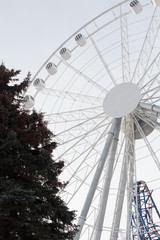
pixel 121 100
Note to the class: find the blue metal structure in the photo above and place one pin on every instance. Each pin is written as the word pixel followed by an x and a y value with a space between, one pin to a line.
pixel 143 205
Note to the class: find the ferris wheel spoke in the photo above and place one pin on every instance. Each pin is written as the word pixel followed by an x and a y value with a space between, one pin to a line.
pixel 81 182
pixel 151 94
pixel 71 131
pixel 82 138
pixel 74 116
pixel 91 133
pixel 74 111
pixel 155 89
pixel 124 47
pixel 147 144
pixel 151 79
pixel 84 152
pixel 84 76
pixel 155 124
pixel 97 116
pixel 85 137
pixel 103 60
pixel 149 119
pixel 152 83
pixel 70 119
pixel 88 151
pixel 154 99
pixel 146 50
pixel 78 182
pixel 72 96
pixel 80 129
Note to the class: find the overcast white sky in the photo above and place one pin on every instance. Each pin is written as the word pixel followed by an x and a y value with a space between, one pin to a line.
pixel 32 29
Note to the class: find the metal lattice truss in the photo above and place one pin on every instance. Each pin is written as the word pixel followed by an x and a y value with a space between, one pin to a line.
pixel 142 217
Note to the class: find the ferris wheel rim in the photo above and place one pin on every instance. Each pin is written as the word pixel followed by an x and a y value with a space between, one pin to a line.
pixel 76 32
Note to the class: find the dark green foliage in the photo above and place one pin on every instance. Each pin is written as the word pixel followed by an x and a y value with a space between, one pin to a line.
pixel 30 208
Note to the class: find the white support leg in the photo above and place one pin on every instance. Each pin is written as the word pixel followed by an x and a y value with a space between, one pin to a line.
pixel 98 229
pixel 131 158
pixel 96 178
pixel 119 201
pixel 125 47
pixel 121 189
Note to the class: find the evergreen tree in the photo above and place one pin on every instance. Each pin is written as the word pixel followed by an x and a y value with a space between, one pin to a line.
pixel 30 208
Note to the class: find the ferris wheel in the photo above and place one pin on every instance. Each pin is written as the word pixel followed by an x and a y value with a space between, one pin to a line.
pixel 100 93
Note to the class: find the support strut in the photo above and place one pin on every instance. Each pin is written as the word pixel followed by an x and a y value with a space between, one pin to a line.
pixel 96 178
pixel 103 204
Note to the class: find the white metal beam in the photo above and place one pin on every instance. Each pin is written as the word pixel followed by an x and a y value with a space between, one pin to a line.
pixel 150 107
pixel 98 228
pixel 96 178
pixel 123 180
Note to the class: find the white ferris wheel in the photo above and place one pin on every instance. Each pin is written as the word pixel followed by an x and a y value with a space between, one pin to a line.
pixel 100 93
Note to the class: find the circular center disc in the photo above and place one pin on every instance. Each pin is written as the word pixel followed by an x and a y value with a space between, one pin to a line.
pixel 121 100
